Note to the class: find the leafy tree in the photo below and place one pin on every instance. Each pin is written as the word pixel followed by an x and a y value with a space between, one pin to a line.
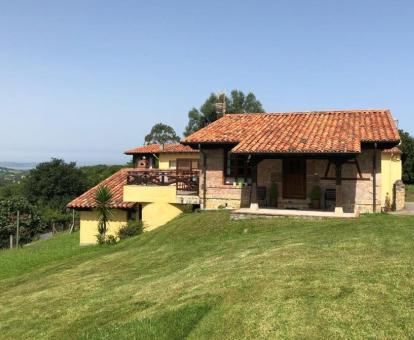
pixel 103 197
pixel 54 183
pixel 161 134
pixel 215 105
pixel 407 148
pixel 11 190
pixel 95 174
pixel 53 216
pixel 30 222
pixel 239 103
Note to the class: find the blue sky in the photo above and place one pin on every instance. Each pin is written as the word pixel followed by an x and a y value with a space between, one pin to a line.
pixel 85 80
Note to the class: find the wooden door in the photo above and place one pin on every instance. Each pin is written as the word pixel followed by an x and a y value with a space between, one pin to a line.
pixel 294 178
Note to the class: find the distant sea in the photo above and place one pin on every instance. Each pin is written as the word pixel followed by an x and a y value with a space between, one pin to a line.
pixel 17 165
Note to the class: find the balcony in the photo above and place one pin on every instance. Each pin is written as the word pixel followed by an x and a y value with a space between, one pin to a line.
pixel 163 186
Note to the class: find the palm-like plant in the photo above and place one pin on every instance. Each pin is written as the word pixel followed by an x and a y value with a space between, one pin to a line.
pixel 103 197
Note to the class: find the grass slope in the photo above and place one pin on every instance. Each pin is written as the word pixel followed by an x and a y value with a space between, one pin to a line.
pixel 203 276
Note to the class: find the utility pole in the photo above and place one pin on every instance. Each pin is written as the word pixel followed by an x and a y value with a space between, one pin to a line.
pixel 18 229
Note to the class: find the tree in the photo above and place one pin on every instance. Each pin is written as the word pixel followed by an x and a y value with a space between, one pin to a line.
pixel 103 197
pixel 95 174
pixel 54 183
pixel 407 149
pixel 30 223
pixel 11 190
pixel 239 103
pixel 161 134
pixel 215 105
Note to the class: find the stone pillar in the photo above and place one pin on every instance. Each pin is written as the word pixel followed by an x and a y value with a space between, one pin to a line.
pixel 398 201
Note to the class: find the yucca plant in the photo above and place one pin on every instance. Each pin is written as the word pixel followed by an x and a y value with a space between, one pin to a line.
pixel 103 197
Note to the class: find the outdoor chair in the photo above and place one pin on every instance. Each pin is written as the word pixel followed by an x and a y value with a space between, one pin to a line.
pixel 261 196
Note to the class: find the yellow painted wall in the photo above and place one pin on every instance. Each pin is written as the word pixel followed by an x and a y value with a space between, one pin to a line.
pixel 391 171
pixel 157 214
pixel 153 216
pixel 89 225
pixel 165 158
pixel 150 193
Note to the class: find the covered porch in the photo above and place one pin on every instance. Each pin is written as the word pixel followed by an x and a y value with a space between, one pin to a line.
pixel 308 185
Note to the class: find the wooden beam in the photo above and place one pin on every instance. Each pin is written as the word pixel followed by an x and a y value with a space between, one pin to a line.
pixel 328 167
pixel 346 179
pixel 253 194
pixel 355 161
pixel 338 178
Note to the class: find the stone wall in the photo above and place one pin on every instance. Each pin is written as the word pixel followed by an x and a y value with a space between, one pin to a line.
pixel 357 195
pixel 219 194
pixel 398 202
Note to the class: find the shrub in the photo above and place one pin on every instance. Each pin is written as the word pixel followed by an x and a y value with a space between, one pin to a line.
pixel 388 206
pixel 30 221
pixel 316 193
pixel 131 229
pixel 100 239
pixel 110 240
pixel 188 208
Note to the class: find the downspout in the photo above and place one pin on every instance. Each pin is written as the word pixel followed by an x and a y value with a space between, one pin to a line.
pixel 204 175
pixel 374 179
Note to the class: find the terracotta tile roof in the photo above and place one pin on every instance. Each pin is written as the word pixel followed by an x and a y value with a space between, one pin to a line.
pixel 300 132
pixel 158 148
pixel 396 151
pixel 115 183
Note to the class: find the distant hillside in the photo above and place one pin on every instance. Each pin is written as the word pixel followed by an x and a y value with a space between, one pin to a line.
pixel 8 175
pixel 17 165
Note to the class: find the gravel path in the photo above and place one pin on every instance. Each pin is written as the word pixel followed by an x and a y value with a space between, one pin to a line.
pixel 408 210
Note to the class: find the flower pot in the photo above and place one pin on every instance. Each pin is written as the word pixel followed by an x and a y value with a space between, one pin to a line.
pixel 315 204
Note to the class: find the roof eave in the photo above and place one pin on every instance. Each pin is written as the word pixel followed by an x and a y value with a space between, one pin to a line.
pixel 192 143
pixel 381 144
pixel 296 153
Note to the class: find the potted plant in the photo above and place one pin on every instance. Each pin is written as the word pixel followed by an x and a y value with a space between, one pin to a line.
pixel 388 206
pixel 274 194
pixel 315 197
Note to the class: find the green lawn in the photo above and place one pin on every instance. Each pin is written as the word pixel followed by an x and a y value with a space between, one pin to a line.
pixel 203 276
pixel 409 190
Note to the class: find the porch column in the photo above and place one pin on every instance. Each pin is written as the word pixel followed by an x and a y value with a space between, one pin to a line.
pixel 253 196
pixel 338 176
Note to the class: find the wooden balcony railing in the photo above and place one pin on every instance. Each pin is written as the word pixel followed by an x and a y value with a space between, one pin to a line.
pixel 186 181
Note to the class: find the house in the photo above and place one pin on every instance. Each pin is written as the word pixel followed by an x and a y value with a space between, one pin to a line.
pixel 266 162
pixel 147 191
pixel 350 155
